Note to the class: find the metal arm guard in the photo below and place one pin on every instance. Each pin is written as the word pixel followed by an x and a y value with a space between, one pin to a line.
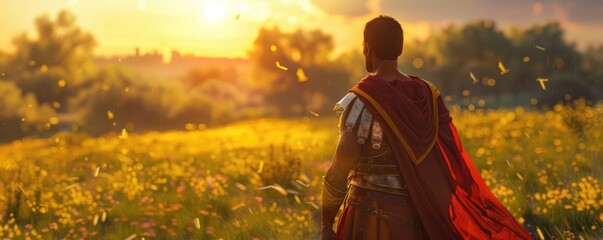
pixel 332 198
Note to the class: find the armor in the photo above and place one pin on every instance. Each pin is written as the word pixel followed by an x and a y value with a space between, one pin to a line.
pixel 343 103
pixel 377 168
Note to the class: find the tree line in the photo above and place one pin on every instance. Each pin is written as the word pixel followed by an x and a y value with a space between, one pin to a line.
pixel 50 83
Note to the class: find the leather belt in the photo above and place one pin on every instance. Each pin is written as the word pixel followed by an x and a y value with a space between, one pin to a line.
pixel 388 215
pixel 382 183
pixel 392 181
pixel 377 169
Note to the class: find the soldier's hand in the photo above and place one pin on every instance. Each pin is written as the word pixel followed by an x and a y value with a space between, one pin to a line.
pixel 328 234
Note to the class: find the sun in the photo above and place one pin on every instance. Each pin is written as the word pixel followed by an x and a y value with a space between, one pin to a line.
pixel 214 11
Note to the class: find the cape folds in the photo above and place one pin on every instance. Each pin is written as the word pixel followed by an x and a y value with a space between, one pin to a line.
pixel 451 197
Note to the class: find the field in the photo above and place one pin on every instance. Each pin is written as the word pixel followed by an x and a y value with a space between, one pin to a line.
pixel 261 179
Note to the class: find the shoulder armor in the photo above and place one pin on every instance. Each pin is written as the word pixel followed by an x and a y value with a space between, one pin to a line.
pixel 433 88
pixel 368 127
pixel 343 103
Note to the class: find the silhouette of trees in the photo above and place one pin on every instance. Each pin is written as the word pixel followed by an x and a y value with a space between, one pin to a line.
pixel 593 67
pixel 450 56
pixel 50 82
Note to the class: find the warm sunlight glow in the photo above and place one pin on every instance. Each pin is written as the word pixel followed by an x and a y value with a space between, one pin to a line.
pixel 214 11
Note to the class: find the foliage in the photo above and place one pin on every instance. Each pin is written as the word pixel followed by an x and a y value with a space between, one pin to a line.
pixel 293 74
pixel 60 51
pixel 451 56
pixel 593 67
pixel 116 99
pixel 21 114
pixel 52 85
pixel 294 71
pixel 47 70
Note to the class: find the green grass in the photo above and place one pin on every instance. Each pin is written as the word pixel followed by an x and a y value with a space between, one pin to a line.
pixel 543 166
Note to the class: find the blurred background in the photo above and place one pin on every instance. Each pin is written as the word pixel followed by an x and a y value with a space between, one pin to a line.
pixel 150 65
pixel 236 97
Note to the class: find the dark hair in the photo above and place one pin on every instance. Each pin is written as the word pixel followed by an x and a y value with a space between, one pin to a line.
pixel 384 37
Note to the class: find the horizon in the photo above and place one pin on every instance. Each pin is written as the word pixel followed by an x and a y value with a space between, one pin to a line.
pixel 233 25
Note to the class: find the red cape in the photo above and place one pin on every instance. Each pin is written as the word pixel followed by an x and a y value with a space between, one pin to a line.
pixel 451 197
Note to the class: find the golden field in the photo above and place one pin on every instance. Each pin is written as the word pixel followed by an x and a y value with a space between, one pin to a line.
pixel 261 179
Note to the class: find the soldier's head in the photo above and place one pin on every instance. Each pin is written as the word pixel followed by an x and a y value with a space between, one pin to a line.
pixel 383 40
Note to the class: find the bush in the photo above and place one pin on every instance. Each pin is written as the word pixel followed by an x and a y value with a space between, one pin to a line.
pixel 564 88
pixel 21 114
pixel 117 99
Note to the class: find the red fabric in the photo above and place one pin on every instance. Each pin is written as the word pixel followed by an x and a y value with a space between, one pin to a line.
pixel 451 197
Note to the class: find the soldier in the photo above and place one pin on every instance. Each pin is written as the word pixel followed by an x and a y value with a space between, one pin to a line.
pixel 399 168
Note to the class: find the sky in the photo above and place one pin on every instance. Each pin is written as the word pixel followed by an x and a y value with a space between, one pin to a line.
pixel 227 28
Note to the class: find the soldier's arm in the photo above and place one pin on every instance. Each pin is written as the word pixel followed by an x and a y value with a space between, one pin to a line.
pixel 335 180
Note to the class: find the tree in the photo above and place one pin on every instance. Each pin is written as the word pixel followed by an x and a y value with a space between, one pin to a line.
pixel 476 48
pixel 56 63
pixel 294 72
pixel 450 56
pixel 593 68
pixel 546 54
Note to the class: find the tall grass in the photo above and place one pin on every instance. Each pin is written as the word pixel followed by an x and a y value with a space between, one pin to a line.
pixel 261 179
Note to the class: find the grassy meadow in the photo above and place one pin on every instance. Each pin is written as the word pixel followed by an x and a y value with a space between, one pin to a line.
pixel 261 179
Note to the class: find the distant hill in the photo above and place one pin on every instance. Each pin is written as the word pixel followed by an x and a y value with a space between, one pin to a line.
pixel 153 65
